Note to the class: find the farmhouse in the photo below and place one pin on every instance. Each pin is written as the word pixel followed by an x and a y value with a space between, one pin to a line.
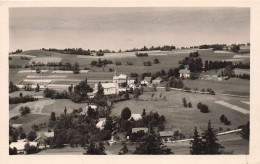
pixel 102 122
pixel 146 81
pixel 166 135
pixel 135 130
pixel 135 117
pixel 158 80
pixel 20 146
pixel 185 73
pixel 41 141
pixel 122 78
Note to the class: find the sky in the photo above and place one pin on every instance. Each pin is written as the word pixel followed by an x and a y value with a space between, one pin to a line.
pixel 126 28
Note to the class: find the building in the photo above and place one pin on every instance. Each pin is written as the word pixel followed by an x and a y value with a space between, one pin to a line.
pixel 101 123
pixel 146 81
pixel 135 130
pixel 166 135
pixel 185 73
pixel 109 88
pixel 135 117
pixel 122 78
pixel 20 146
pixel 158 80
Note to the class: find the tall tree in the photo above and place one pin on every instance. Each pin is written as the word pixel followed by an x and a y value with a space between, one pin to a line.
pixel 126 113
pixel 152 144
pixel 210 141
pixel 196 144
pixel 100 91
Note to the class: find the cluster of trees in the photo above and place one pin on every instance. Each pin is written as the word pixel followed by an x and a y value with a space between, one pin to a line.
pixel 175 83
pixel 24 110
pixel 194 54
pixel 94 149
pixel 152 48
pixel 148 63
pixel 16 133
pixel 21 99
pixel 129 63
pixel 225 120
pixel 235 48
pixel 77 94
pixel 76 51
pixel 100 53
pixel 195 64
pixel 214 46
pixel 53 94
pixel 17 51
pixel 132 74
pixel 141 54
pixel 24 58
pixel 13 66
pixel 185 104
pixel 118 63
pixel 100 63
pixel 243 76
pixel 203 108
pixel 151 120
pixel 205 144
pixel 80 130
pixel 211 65
pixel 241 65
pixel 12 87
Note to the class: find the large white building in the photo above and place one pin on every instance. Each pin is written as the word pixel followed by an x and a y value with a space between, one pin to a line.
pixel 119 84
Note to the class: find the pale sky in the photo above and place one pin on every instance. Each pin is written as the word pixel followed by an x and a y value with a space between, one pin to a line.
pixel 126 28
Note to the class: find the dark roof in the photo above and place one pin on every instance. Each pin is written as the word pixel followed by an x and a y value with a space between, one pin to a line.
pixel 158 78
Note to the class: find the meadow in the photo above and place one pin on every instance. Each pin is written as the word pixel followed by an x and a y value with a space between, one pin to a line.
pixel 179 117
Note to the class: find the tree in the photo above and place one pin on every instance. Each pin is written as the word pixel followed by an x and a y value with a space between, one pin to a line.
pixel 93 149
pixel 53 117
pixel 100 91
pixel 126 113
pixel 21 94
pixel 31 136
pixel 156 61
pixel 35 127
pixel 124 150
pixel 184 102
pixel 206 65
pixel 70 88
pixel 196 144
pixel 144 113
pixel 152 144
pixel 30 149
pixel 210 145
pixel 12 151
pixel 24 110
pixel 235 48
pixel 22 135
pixel 37 88
pixel 65 111
pixel 245 132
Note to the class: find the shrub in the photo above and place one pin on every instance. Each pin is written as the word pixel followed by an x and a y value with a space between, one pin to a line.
pixel 141 54
pixel 224 120
pixel 189 105
pixel 203 108
pixel 156 61
pixel 24 110
pixel 184 102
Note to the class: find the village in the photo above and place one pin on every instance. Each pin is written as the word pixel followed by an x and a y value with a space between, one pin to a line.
pixel 129 81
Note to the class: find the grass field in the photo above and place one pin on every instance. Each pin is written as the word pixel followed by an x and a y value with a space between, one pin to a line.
pixel 26 119
pixel 184 118
pixel 232 86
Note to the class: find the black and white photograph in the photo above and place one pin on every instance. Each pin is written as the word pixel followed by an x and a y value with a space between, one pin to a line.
pixel 146 80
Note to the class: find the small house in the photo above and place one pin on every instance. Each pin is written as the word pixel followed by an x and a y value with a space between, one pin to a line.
pixel 101 123
pixel 135 117
pixel 146 81
pixel 20 146
pixel 158 80
pixel 109 88
pixel 135 130
pixel 166 135
pixel 185 73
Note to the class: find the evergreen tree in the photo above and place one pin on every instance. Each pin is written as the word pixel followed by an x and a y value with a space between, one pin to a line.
pixel 210 141
pixel 124 150
pixel 144 113
pixel 152 145
pixel 196 144
pixel 100 91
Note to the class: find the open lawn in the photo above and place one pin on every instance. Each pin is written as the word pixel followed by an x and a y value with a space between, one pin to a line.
pixel 60 104
pixel 26 119
pixel 232 86
pixel 184 118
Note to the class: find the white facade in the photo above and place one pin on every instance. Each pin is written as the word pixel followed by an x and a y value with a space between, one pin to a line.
pixel 185 73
